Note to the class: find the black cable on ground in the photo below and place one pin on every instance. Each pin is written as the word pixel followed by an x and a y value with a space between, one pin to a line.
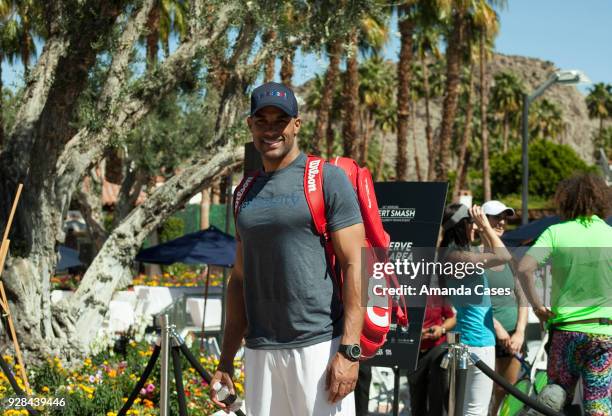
pixel 201 370
pixel 547 411
pixel 178 379
pixel 140 384
pixel 15 386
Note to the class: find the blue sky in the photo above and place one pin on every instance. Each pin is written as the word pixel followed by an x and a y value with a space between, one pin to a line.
pixel 572 34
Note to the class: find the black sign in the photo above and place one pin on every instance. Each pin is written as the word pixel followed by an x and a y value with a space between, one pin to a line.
pixel 411 213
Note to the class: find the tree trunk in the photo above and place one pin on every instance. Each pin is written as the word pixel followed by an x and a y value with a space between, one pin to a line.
pixel 506 129
pixel 25 44
pixel 449 107
pixel 286 71
pixel 270 65
pixel 428 131
pixel 1 104
pixel 406 28
pixel 350 95
pixel 381 160
pixel 152 38
pixel 44 126
pixel 467 134
pixel 417 163
pixel 205 209
pixel 464 172
pixel 330 137
pixel 327 96
pixel 367 130
pixel 484 103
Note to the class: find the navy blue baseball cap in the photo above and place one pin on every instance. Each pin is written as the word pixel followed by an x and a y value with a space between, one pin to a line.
pixel 276 95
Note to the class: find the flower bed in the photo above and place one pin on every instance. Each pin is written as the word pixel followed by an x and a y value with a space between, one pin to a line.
pixel 101 384
pixel 185 277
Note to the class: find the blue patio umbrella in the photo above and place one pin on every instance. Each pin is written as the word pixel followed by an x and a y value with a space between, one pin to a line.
pixel 211 246
pixel 529 233
pixel 68 258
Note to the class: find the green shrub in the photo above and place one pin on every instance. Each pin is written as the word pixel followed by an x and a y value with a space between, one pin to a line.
pixel 549 163
pixel 174 227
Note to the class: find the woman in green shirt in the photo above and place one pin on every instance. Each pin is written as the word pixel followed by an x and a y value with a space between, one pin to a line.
pixel 580 316
pixel 509 310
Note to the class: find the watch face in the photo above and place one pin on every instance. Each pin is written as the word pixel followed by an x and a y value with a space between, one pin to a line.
pixel 355 351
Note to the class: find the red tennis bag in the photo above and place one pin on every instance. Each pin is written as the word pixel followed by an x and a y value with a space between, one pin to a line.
pixel 379 308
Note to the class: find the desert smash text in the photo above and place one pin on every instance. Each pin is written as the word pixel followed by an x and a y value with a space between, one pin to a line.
pixel 413 269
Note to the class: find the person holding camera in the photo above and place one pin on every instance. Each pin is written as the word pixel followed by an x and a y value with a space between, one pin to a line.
pixel 474 313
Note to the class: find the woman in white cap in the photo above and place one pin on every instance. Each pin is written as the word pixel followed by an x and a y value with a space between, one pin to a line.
pixel 474 312
pixel 509 309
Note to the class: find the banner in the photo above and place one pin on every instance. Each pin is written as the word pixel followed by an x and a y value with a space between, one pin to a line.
pixel 411 213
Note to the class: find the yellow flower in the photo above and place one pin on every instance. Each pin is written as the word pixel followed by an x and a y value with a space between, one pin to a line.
pixel 45 389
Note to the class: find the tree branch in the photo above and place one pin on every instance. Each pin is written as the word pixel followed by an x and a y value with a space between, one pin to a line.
pixel 91 208
pixel 118 71
pixel 111 267
pixel 87 146
pixel 135 179
pixel 22 137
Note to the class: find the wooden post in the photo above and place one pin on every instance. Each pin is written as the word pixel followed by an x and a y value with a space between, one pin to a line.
pixel 4 247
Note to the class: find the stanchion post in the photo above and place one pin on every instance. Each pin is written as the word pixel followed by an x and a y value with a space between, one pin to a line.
pixel 456 363
pixel 452 365
pixel 461 369
pixel 165 348
pixel 396 385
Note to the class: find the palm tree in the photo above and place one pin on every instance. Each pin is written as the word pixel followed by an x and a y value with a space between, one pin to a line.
pixel 406 23
pixel 386 123
pixel 269 66
pixel 376 86
pixel 165 17
pixel 350 94
pixel 427 37
pixel 546 120
pixel 466 135
pixel 599 103
pixel 370 36
pixel 455 43
pixel 487 24
pixel 286 71
pixel 27 15
pixel 327 96
pixel 10 35
pixel 506 102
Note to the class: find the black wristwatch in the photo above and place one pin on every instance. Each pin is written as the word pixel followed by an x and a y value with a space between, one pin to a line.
pixel 351 352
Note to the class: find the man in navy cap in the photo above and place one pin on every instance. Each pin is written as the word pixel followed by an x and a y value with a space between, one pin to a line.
pixel 302 341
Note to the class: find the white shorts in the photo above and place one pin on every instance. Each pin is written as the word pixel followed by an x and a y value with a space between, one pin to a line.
pixel 291 382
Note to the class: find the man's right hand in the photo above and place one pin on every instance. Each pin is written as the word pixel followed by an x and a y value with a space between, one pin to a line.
pixel 225 379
